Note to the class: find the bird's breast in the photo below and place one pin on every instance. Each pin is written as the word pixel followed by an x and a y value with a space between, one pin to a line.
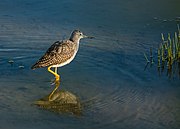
pixel 66 62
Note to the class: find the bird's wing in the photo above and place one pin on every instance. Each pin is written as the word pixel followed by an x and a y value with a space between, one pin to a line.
pixel 65 51
pixel 56 54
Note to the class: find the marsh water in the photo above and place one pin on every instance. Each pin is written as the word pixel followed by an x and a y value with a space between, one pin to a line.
pixel 107 74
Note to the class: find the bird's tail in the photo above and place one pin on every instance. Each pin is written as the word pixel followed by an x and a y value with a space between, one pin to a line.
pixel 35 66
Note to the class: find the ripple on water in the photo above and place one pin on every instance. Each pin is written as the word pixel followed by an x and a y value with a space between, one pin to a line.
pixel 119 97
pixel 14 59
pixel 126 100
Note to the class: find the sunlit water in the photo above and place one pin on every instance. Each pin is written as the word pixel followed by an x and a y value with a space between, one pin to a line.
pixel 107 73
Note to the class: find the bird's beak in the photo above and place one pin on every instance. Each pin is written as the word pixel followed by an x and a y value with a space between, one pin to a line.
pixel 89 37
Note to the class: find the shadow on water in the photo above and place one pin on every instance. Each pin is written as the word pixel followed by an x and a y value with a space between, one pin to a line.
pixel 61 101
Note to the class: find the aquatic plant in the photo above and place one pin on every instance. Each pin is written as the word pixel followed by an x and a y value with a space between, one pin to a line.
pixel 168 53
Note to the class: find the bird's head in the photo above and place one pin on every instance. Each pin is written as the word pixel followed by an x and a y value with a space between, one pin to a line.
pixel 76 35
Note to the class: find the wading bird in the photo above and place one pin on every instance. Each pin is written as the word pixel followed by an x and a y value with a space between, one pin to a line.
pixel 59 54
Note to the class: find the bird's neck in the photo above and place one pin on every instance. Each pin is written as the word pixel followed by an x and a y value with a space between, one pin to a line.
pixel 75 44
pixel 74 39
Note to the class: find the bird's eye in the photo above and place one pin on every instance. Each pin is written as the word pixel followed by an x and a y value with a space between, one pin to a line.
pixel 80 34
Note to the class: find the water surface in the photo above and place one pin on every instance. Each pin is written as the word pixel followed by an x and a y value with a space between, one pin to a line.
pixel 108 70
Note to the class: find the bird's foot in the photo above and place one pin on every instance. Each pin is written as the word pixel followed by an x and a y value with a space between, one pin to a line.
pixel 55 81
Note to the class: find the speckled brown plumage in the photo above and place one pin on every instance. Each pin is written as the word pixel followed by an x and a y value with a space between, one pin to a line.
pixel 58 53
pixel 61 52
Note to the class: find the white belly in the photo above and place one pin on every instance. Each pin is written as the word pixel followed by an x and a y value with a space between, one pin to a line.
pixel 67 62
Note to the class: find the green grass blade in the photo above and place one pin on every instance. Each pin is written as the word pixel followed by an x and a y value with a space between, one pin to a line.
pixel 146 58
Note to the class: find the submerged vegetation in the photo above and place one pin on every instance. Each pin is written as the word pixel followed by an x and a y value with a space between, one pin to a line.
pixel 168 54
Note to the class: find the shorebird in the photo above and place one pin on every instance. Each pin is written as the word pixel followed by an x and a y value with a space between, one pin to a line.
pixel 59 54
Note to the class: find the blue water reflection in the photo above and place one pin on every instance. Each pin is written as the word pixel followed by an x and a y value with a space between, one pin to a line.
pixel 108 72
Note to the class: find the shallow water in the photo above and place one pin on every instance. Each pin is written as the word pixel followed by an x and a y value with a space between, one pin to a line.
pixel 107 73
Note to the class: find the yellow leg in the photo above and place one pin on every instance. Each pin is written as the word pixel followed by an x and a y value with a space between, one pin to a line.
pixel 55 70
pixel 54 73
pixel 57 83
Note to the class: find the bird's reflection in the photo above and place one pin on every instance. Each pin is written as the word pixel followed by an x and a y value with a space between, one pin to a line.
pixel 60 101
